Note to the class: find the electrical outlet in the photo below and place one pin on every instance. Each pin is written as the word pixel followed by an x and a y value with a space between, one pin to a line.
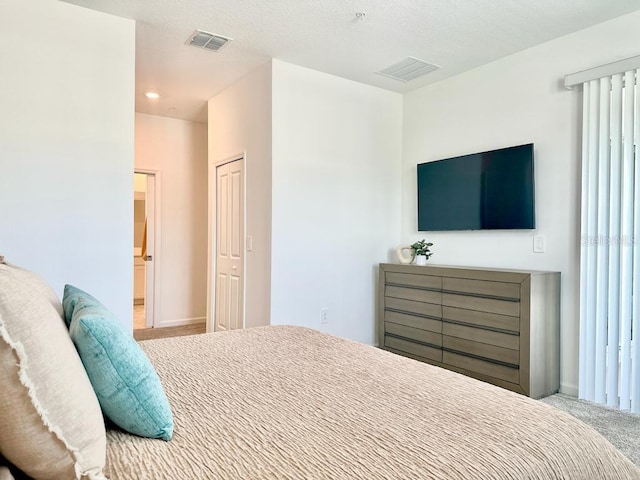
pixel 324 312
pixel 249 243
pixel 538 243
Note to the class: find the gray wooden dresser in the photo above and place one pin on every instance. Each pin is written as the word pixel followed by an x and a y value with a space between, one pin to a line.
pixel 500 326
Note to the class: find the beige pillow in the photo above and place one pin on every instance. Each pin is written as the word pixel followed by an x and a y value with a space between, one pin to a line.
pixel 39 287
pixel 5 474
pixel 51 426
pixel 5 471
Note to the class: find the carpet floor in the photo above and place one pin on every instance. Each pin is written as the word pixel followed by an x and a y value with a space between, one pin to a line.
pixel 622 429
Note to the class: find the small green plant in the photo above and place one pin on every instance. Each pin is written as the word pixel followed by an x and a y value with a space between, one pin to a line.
pixel 422 248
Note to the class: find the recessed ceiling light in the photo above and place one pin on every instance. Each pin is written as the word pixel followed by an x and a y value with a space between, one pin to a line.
pixel 152 95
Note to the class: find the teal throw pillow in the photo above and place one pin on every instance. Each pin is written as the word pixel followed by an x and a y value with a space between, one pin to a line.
pixel 70 298
pixel 126 384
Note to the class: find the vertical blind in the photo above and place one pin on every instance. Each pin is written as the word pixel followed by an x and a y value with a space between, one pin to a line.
pixel 609 368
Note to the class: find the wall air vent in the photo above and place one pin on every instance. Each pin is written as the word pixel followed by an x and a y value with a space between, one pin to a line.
pixel 408 69
pixel 207 40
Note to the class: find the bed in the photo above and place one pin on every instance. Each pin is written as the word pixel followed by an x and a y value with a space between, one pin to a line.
pixel 292 403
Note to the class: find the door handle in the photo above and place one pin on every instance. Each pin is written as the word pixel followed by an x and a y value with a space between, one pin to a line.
pixel 148 258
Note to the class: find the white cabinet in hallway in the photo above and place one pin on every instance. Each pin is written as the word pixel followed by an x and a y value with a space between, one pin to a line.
pixel 138 280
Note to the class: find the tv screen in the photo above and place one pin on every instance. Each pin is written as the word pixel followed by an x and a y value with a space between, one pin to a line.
pixel 488 190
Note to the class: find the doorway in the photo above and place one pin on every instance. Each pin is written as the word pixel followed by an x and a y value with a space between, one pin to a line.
pixel 228 215
pixel 144 249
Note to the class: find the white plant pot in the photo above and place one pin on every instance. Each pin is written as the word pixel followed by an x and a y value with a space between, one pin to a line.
pixel 421 260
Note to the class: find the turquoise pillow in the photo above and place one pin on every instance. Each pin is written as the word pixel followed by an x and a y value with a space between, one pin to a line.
pixel 70 298
pixel 126 384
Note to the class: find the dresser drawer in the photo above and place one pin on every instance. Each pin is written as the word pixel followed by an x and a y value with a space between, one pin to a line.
pixel 424 351
pixel 483 367
pixel 482 319
pixel 490 305
pixel 406 279
pixel 483 288
pixel 426 296
pixel 498 339
pixel 431 324
pixel 415 334
pixel 411 306
pixel 483 350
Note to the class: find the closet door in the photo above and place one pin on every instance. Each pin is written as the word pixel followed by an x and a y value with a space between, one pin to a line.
pixel 229 246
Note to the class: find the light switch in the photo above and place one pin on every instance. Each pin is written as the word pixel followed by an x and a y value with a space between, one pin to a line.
pixel 538 243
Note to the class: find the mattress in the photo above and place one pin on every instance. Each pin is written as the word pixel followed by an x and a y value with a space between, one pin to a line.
pixel 294 403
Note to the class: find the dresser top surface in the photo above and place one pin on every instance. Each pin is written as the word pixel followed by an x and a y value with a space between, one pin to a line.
pixel 452 270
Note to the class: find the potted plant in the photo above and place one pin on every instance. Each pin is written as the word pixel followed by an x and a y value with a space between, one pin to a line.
pixel 421 251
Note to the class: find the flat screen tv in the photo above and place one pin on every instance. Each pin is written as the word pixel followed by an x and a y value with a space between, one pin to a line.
pixel 491 190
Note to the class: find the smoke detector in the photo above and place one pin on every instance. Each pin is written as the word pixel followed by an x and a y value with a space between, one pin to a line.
pixel 408 69
pixel 207 40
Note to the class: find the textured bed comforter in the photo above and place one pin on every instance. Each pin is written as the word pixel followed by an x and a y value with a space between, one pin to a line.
pixel 293 403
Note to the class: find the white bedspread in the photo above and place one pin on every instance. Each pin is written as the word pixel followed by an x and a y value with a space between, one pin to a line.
pixel 293 403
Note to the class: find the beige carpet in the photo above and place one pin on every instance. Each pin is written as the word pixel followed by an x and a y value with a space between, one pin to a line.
pixel 622 429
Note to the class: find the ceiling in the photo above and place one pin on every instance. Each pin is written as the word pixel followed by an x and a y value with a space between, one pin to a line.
pixel 328 36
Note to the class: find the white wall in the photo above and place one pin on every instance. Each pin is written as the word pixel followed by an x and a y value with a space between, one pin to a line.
pixel 66 147
pixel 516 100
pixel 337 148
pixel 240 124
pixel 177 150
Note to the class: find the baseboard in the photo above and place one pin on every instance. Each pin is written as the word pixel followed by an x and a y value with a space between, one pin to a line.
pixel 182 322
pixel 569 389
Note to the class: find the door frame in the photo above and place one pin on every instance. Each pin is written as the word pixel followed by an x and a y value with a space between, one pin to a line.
pixel 151 320
pixel 212 236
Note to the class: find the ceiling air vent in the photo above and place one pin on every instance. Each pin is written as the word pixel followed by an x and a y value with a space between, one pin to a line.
pixel 207 40
pixel 408 69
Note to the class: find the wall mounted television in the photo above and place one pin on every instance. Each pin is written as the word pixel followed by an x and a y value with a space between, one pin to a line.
pixel 491 190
